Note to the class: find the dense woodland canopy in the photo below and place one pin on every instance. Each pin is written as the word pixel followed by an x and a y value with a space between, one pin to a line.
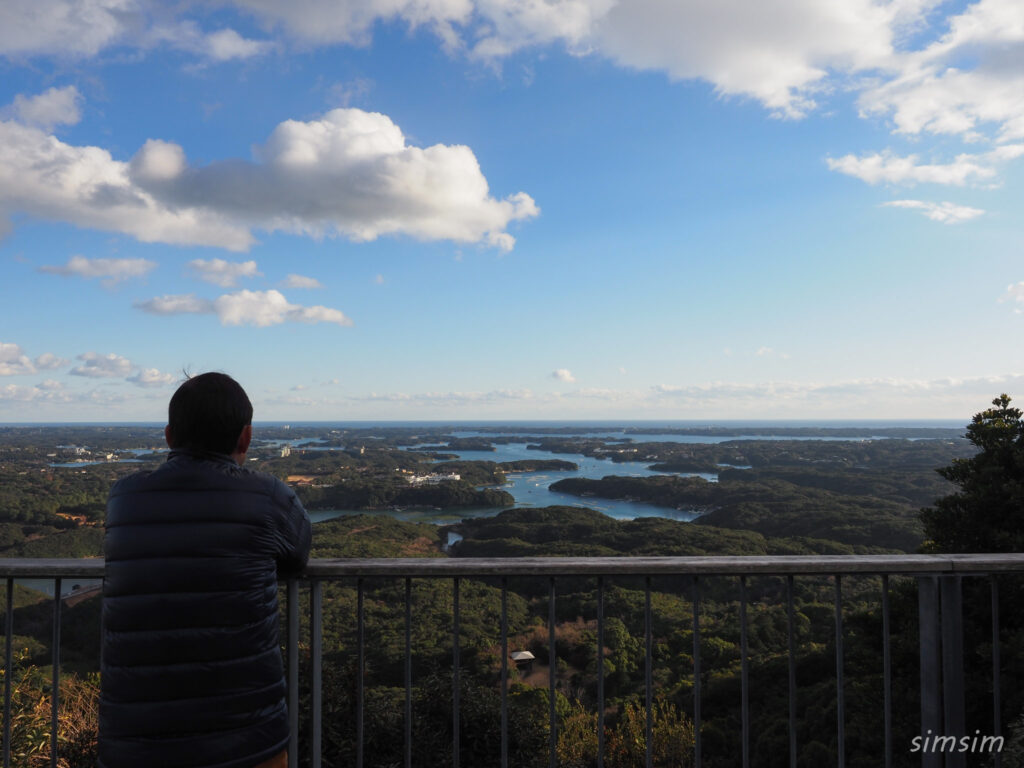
pixel 772 497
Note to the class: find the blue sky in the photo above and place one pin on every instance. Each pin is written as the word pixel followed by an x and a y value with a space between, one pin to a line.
pixel 512 209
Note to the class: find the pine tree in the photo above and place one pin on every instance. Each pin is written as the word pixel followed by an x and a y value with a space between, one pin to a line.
pixel 986 513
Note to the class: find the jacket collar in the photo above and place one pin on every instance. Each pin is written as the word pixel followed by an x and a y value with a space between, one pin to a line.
pixel 201 455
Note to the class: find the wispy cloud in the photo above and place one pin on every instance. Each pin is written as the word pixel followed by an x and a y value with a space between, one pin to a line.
pixel 302 282
pixel 256 308
pixel 151 377
pixel 945 212
pixel 96 366
pixel 1015 293
pixel 563 374
pixel 53 107
pixel 111 271
pixel 226 274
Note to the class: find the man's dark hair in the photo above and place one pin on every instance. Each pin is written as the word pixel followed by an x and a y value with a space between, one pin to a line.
pixel 208 413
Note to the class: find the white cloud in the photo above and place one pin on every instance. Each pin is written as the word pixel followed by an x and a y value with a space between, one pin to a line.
pixel 946 212
pixel 56 106
pixel 1015 293
pixel 379 279
pixel 764 351
pixel 48 390
pixel 95 366
pixel 300 281
pixel 219 46
pixel 13 361
pixel 563 374
pixel 111 270
pixel 892 169
pixel 223 273
pixel 151 377
pixel 349 173
pixel 966 81
pixel 48 179
pixel 257 308
pixel 49 361
pixel 63 27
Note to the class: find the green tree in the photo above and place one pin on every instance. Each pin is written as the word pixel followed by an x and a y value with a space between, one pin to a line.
pixel 986 513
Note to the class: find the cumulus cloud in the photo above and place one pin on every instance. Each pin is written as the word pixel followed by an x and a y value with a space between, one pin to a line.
pixel 966 81
pixel 64 27
pixel 96 366
pixel 300 281
pixel 13 361
pixel 257 308
pixel 48 179
pixel 946 212
pixel 111 270
pixel 151 377
pixel 350 173
pixel 223 273
pixel 563 374
pixel 56 106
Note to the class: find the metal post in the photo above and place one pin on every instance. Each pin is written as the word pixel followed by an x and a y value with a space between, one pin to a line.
pixel 648 677
pixel 552 665
pixel 792 672
pixel 697 758
pixel 55 685
pixel 455 672
pixel 504 672
pixel 316 660
pixel 954 717
pixel 886 671
pixel 360 671
pixel 840 689
pixel 293 671
pixel 744 675
pixel 408 673
pixel 997 714
pixel 8 670
pixel 931 667
pixel 600 672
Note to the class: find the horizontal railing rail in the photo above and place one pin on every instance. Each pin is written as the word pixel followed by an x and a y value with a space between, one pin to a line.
pixel 941 646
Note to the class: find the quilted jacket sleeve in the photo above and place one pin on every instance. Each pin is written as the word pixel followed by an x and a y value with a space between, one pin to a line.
pixel 292 531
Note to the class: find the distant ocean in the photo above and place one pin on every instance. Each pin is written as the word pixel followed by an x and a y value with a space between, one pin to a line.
pixel 581 424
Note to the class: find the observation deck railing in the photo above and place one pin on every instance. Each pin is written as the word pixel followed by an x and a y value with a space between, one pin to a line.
pixel 939 587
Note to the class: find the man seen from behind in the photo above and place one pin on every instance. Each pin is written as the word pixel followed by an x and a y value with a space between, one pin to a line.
pixel 191 672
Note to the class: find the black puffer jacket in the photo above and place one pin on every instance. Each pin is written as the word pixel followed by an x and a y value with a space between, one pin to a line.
pixel 191 666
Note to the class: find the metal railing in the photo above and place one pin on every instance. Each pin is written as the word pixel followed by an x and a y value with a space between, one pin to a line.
pixel 939 580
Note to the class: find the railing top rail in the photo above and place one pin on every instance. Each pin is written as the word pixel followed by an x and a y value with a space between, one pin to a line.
pixel 92 568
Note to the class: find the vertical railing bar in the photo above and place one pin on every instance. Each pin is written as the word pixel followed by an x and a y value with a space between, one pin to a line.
pixel 697 758
pixel 887 671
pixel 997 727
pixel 792 671
pixel 408 672
pixel 455 672
pixel 600 672
pixel 744 674
pixel 55 660
pixel 316 661
pixel 8 670
pixel 360 670
pixel 840 693
pixel 648 677
pixel 504 672
pixel 293 671
pixel 552 668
